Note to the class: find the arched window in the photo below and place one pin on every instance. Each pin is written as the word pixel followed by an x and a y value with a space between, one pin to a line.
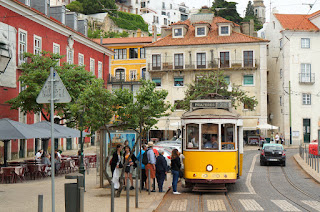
pixel 120 74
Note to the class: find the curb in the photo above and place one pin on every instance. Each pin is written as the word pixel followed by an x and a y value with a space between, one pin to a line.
pixel 312 173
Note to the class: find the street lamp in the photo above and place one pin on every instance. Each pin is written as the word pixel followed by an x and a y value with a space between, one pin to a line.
pixel 81 166
pixel 5 56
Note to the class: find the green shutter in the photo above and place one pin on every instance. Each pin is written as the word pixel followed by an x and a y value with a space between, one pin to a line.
pixel 227 79
pixel 248 80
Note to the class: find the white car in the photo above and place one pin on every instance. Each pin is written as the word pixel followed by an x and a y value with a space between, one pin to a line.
pixel 166 154
pixel 176 144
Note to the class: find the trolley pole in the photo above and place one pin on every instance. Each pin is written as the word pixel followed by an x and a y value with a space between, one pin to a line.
pixel 290 113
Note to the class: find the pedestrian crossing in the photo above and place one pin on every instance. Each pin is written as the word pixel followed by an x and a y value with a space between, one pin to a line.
pixel 247 205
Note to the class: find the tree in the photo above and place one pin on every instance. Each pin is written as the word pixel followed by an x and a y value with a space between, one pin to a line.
pixel 228 10
pixel 75 6
pixel 92 7
pixel 34 74
pixel 250 15
pixel 214 83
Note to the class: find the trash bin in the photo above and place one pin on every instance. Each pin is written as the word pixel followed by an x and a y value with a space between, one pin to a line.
pixel 74 193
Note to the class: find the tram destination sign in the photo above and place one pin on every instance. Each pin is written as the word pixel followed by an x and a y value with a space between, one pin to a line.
pixel 211 104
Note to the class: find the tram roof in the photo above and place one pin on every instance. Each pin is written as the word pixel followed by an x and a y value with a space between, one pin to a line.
pixel 210 113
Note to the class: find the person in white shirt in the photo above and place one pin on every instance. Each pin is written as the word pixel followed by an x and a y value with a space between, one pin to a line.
pixel 277 138
pixel 39 154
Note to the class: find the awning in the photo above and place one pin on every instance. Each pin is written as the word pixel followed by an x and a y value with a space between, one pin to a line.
pixel 267 127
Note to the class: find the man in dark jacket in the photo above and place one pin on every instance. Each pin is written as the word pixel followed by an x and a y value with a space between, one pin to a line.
pixel 161 169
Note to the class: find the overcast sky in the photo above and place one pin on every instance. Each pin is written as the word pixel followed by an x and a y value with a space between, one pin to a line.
pixel 283 6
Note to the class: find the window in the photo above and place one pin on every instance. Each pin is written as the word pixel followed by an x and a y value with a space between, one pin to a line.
pixel 80 59
pixel 177 32
pixel 192 136
pixel 22 45
pixel 178 61
pixel 143 4
pixel 178 81
pixel 305 72
pixel 99 70
pixel 120 54
pixel 305 43
pixel 224 60
pixel 133 53
pixel 163 5
pixel 306 130
pixel 56 50
pixel 157 81
pixel 201 60
pixel 133 75
pixel 209 137
pixel 163 13
pixel 92 65
pixel 178 104
pixel 224 30
pixel 170 6
pixel 280 43
pixel 143 73
pixel 281 74
pixel 306 99
pixel 70 56
pixel 227 79
pixel 165 21
pixel 37 45
pixel 246 106
pixel 280 101
pixel 248 80
pixel 248 58
pixel 156 62
pixel 142 53
pixel 120 74
pixel 201 31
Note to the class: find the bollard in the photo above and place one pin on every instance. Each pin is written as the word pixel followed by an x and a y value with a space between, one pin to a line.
pixel 40 203
pixel 149 182
pixel 112 197
pixel 137 190
pixel 154 184
pixel 318 163
pixel 81 192
pixel 128 196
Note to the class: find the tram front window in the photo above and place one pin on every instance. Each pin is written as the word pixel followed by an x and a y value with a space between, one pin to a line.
pixel 209 136
pixel 227 137
pixel 192 136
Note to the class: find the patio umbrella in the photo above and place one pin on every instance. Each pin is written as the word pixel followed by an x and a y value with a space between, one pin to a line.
pixel 10 129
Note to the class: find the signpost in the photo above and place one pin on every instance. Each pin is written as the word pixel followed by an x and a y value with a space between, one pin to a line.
pixel 53 91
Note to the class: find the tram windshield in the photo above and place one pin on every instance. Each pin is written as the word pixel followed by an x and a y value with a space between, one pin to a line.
pixel 192 136
pixel 209 137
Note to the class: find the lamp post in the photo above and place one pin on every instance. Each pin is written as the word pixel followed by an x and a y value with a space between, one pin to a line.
pixel 5 56
pixel 81 165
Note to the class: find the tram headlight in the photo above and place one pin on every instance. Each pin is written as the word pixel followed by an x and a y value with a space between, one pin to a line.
pixel 209 168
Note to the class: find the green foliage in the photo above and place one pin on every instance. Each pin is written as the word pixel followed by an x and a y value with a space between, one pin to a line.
pixel 97 33
pixel 75 6
pixel 214 83
pixel 230 12
pixel 250 15
pixel 128 21
pixel 92 7
pixel 36 71
pixel 249 9
pixel 94 34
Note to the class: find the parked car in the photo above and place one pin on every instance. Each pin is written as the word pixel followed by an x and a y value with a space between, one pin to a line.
pixel 272 153
pixel 166 154
pixel 171 144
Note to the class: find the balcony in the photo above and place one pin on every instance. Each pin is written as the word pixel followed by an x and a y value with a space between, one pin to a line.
pixel 215 64
pixel 307 78
pixel 117 81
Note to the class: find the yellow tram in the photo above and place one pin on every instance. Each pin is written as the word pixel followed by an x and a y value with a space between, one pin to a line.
pixel 212 145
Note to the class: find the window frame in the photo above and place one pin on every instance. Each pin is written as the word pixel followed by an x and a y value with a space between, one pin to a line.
pixel 174 32
pixel 24 44
pixel 70 52
pixel 120 70
pixel 135 74
pixel 306 75
pixel 92 66
pixel 302 43
pixel 174 81
pixel 220 64
pixel 135 52
pixel 205 31
pixel 221 32
pixel 253 81
pixel 201 65
pixel 143 52
pixel 100 69
pixel 53 50
pixel 37 49
pixel 118 52
pixel 306 99
pixel 179 61
pixel 227 77
pixel 79 59
pixel 157 78
pixel 157 65
pixel 246 61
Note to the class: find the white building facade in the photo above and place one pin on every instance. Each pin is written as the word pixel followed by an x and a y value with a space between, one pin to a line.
pixel 293 62
pixel 196 47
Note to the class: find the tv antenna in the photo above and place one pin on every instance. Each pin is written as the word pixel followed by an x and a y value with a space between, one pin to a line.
pixel 310 5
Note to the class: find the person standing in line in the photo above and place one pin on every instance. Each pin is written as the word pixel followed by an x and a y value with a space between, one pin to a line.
pixel 143 168
pixel 116 158
pixel 151 165
pixel 161 169
pixel 129 167
pixel 175 168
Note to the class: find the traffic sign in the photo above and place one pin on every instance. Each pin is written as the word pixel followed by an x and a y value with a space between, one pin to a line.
pixel 60 93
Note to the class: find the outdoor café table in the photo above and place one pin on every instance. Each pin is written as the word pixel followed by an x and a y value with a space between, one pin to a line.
pixel 18 170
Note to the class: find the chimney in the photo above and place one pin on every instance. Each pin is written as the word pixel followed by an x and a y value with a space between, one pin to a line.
pixel 72 20
pixel 139 33
pixel 25 2
pixel 251 27
pixel 154 32
pixel 42 6
pixel 58 13
pixel 205 9
pixel 165 31
pixel 83 27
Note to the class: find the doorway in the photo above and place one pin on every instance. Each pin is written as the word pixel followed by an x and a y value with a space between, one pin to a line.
pixel 306 130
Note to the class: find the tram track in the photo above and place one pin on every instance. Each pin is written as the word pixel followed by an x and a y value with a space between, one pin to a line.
pixel 286 196
pixel 229 201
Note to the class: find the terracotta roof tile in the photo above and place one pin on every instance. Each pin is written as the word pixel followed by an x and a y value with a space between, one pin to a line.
pixel 296 22
pixel 212 38
pixel 125 40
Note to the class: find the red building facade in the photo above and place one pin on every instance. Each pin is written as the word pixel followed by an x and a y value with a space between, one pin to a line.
pixel 26 29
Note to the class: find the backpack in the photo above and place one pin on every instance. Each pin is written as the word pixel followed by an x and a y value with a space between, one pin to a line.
pixel 145 158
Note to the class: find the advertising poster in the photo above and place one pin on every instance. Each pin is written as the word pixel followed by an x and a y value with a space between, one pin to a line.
pixel 121 138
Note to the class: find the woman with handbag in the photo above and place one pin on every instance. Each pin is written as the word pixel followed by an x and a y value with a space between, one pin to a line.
pixel 130 165
pixel 175 169
pixel 116 166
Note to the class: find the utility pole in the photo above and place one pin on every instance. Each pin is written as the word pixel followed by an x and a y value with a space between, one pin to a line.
pixel 290 113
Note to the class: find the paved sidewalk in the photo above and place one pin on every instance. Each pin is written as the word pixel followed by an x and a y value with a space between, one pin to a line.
pixel 22 197
pixel 315 175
